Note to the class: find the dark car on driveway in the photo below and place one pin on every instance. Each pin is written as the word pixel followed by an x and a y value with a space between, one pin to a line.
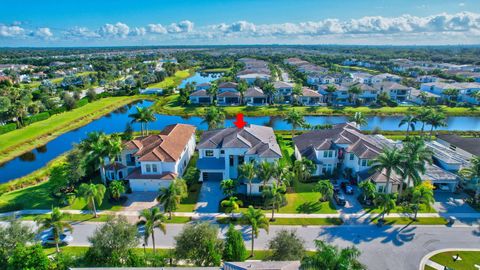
pixel 339 199
pixel 348 189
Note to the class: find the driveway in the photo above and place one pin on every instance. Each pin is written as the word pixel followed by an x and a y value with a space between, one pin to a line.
pixel 447 202
pixel 352 206
pixel 210 196
pixel 140 200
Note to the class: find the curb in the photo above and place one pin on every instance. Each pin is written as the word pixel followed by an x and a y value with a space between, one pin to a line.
pixel 435 252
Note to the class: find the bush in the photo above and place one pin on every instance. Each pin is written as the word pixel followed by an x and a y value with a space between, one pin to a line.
pixel 81 102
pixel 7 128
pixel 37 117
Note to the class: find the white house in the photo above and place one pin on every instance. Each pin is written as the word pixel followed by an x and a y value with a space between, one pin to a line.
pixel 221 151
pixel 395 91
pixel 255 96
pixel 310 97
pixel 151 162
pixel 284 91
pixel 200 97
pixel 466 90
pixel 250 78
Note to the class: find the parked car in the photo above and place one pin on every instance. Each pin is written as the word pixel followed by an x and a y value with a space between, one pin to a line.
pixel 444 187
pixel 48 240
pixel 348 189
pixel 336 188
pixel 339 199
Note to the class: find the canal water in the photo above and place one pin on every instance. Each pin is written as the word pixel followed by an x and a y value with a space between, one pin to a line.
pixel 117 120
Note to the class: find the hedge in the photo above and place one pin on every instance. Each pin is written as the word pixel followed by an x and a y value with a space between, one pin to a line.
pixel 7 128
pixel 37 117
pixel 81 102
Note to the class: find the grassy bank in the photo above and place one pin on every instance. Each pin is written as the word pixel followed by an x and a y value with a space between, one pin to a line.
pixel 169 105
pixel 292 221
pixel 216 70
pixel 22 140
pixel 468 259
pixel 409 221
pixel 175 80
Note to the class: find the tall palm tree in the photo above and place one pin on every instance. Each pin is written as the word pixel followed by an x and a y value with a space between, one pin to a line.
pixel 93 149
pixel 472 173
pixel 113 147
pixel 256 219
pixel 232 205
pixel 228 186
pixel 242 87
pixel 171 196
pixel 359 119
pixel 280 169
pixel 387 202
pixel 269 90
pixel 329 257
pixel 388 160
pixel 116 188
pixel 330 90
pixel 414 155
pixel 274 196
pixel 295 119
pixel 354 90
pixel 423 116
pixel 422 194
pixel 93 194
pixel 214 117
pixel 247 171
pixel 410 120
pixel 213 91
pixel 303 169
pixel 265 171
pixel 152 219
pixel 452 94
pixel 435 120
pixel 143 116
pixel 54 222
pixel 325 188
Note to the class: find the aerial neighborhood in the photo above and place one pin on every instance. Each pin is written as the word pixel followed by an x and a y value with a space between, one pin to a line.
pixel 240 135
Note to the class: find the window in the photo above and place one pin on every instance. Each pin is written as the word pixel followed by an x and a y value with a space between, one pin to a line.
pixel 222 152
pixel 148 168
pixel 231 160
pixel 352 156
pixel 112 175
pixel 241 160
pixel 364 162
pixel 209 153
pixel 328 154
pixel 154 168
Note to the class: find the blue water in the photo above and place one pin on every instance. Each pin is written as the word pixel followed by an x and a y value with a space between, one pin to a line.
pixel 117 120
pixel 199 78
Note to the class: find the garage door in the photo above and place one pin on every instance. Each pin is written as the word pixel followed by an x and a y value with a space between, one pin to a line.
pixel 210 176
pixel 147 185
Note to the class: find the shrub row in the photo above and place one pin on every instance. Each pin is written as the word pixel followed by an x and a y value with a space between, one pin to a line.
pixel 37 117
pixel 7 128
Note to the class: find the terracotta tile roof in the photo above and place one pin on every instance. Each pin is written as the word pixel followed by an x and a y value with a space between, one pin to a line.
pixel 166 146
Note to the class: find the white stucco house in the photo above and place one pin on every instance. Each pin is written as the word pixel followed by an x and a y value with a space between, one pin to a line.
pixel 222 151
pixel 151 162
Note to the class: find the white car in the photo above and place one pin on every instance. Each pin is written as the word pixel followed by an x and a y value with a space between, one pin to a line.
pixel 48 239
pixel 444 187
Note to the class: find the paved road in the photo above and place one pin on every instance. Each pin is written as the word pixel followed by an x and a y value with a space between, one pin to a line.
pixel 388 247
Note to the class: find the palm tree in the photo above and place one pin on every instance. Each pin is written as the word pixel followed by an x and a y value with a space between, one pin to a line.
pixel 359 119
pixel 435 120
pixel 422 194
pixel 171 196
pixel 228 187
pixel 296 91
pixel 269 90
pixel 242 87
pixel 330 90
pixel 410 120
pixel 423 116
pixel 143 116
pixel 414 155
pixel 368 189
pixel 116 188
pixel 247 171
pixel 472 173
pixel 387 202
pixel 93 148
pixel 274 197
pixel 232 205
pixel 354 90
pixel 93 194
pixel 113 147
pixel 295 119
pixel 452 94
pixel 280 169
pixel 214 118
pixel 303 169
pixel 388 160
pixel 329 257
pixel 325 188
pixel 213 91
pixel 152 219
pixel 265 171
pixel 55 222
pixel 256 219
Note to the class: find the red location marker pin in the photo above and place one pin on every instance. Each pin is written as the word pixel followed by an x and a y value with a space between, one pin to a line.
pixel 240 123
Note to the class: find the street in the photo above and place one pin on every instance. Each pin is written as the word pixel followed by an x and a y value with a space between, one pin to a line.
pixel 387 247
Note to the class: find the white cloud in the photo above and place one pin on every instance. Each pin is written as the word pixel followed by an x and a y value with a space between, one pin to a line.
pixel 181 27
pixel 138 31
pixel 81 32
pixel 11 31
pixel 119 29
pixel 43 32
pixel 156 29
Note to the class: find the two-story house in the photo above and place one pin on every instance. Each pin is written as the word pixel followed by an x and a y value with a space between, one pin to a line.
pixel 284 91
pixel 222 151
pixel 395 91
pixel 151 162
pixel 228 94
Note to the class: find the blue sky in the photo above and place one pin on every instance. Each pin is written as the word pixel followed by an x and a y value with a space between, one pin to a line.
pixel 142 22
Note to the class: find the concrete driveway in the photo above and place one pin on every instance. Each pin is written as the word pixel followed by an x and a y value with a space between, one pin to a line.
pixel 447 202
pixel 140 200
pixel 210 196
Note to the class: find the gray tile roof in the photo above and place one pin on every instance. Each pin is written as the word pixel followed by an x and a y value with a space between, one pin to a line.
pixel 254 92
pixel 280 84
pixel 200 93
pixel 470 145
pixel 258 140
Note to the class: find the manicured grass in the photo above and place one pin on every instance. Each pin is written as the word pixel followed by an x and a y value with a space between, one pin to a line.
pixel 179 220
pixel 170 105
pixel 173 81
pixel 429 268
pixel 216 70
pixel 73 217
pixel 400 209
pixel 293 221
pixel 371 71
pixel 469 259
pixel 419 221
pixel 19 141
pixel 306 201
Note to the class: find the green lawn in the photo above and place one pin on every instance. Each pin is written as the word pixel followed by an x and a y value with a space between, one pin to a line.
pixel 170 105
pixel 399 209
pixel 19 141
pixel 173 81
pixel 419 221
pixel 429 268
pixel 216 70
pixel 293 221
pixel 306 201
pixel 469 259
pixel 73 217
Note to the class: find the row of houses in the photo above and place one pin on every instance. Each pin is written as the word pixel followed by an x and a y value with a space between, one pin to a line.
pixel 254 69
pixel 228 95
pixel 152 162
pixel 467 92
